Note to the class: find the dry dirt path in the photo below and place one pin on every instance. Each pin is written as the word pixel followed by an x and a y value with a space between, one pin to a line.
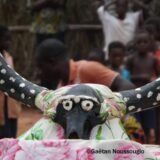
pixel 27 119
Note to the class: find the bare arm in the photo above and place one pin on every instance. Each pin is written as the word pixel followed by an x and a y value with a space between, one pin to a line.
pixel 103 3
pixel 106 5
pixel 120 84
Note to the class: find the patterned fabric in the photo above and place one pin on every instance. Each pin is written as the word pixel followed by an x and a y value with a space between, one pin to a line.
pixel 111 129
pixel 112 106
pixel 49 21
pixel 112 109
pixel 134 129
pixel 11 149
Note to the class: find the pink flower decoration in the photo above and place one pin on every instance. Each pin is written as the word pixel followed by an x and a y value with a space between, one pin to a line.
pixel 128 156
pixel 50 150
pixel 8 148
pixel 83 154
pixel 157 153
pixel 60 132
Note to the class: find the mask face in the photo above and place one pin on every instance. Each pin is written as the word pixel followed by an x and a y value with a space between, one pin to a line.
pixel 78 112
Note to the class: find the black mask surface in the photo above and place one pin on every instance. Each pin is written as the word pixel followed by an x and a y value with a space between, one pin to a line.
pixel 79 115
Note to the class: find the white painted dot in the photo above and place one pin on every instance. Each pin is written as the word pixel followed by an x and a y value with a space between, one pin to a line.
pixel 3 71
pixel 139 96
pixel 12 79
pixel 6 93
pixel 155 103
pixel 130 108
pixel 139 109
pixel 22 95
pixel 138 89
pixel 150 94
pixel 77 99
pixel 22 85
pixel 12 90
pixel 158 97
pixel 2 81
pixel 158 88
pixel 32 91
pixel 125 99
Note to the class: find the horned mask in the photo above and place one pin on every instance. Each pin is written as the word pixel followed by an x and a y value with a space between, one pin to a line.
pixel 79 109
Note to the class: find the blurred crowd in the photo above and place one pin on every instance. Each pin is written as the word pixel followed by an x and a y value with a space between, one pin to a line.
pixel 130 58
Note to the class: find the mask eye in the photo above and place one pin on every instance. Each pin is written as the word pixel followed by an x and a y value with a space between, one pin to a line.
pixel 67 105
pixel 87 105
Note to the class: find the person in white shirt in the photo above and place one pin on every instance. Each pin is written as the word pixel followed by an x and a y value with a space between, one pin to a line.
pixel 118 28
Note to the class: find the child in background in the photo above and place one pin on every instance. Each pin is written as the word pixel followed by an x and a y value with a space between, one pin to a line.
pixel 9 108
pixel 142 60
pixel 117 52
pixel 143 69
pixel 116 58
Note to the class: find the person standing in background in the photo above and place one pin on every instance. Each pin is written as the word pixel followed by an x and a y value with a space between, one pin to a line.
pixel 121 27
pixel 143 67
pixel 117 53
pixel 9 108
pixel 56 67
pixel 49 20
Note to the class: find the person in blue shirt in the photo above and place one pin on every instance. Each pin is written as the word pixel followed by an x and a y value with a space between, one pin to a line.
pixel 116 62
pixel 117 52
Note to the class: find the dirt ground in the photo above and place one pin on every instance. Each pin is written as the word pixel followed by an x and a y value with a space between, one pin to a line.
pixel 27 119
